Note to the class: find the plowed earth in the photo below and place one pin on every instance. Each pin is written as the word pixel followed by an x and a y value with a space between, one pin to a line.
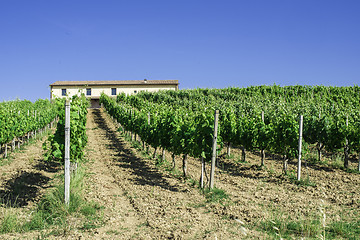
pixel 145 201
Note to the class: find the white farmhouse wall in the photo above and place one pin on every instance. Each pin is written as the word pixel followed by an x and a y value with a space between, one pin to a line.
pixel 97 90
pixel 70 91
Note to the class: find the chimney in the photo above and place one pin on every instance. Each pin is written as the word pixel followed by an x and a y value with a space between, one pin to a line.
pixel 145 80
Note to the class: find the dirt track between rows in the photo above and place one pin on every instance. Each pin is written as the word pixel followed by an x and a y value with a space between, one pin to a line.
pixel 143 202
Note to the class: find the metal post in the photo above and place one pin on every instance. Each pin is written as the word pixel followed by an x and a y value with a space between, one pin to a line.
pixel 300 143
pixel 213 158
pixel 67 152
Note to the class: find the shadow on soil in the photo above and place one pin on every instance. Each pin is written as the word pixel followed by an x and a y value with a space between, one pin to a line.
pixel 22 189
pixel 48 166
pixel 237 169
pixel 145 175
pixel 254 171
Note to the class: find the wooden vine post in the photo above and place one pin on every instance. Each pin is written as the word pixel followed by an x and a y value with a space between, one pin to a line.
pixel 67 152
pixel 213 158
pixel 300 145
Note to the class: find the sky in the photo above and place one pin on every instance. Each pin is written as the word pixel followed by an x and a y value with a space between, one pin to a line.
pixel 201 43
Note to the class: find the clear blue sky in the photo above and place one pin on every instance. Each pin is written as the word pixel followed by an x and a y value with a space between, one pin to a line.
pixel 202 43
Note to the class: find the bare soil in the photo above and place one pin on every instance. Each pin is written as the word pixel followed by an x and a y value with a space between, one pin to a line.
pixel 145 201
pixel 24 175
pixel 24 178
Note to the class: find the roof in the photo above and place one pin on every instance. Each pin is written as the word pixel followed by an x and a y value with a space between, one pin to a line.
pixel 115 82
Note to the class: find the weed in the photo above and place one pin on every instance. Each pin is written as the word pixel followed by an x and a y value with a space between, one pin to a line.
pixel 89 225
pixel 159 162
pixel 10 222
pixel 114 232
pixel 240 160
pixel 192 182
pixel 350 170
pixel 302 182
pixel 174 171
pixel 215 195
pixel 337 161
pixel 198 205
pixel 136 145
pixel 281 227
pixel 271 171
pixel 144 224
pixel 5 161
pixel 232 156
pixel 346 228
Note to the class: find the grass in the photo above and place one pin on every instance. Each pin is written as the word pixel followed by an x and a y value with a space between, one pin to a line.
pixel 313 229
pixel 9 222
pixel 289 228
pixel 215 195
pixel 281 226
pixel 5 161
pixel 315 225
pixel 51 210
pixel 336 162
pixel 240 160
pixel 344 229
pixel 159 161
pixel 304 181
pixel 232 156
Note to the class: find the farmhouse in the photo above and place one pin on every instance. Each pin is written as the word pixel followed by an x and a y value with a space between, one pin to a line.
pixel 93 89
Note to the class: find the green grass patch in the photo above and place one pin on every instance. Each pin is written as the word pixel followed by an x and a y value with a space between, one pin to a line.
pixel 6 161
pixel 51 210
pixel 344 229
pixel 314 226
pixel 232 156
pixel 136 145
pixel 159 161
pixel 352 170
pixel 287 228
pixel 9 222
pixel 215 195
pixel 304 181
pixel 310 229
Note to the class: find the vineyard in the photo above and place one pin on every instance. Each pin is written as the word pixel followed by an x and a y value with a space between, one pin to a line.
pixel 261 118
pixel 143 165
pixel 21 119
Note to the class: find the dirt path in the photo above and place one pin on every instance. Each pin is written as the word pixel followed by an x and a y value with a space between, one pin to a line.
pixel 120 219
pixel 143 202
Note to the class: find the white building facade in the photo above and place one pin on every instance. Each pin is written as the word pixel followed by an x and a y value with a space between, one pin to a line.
pixel 93 89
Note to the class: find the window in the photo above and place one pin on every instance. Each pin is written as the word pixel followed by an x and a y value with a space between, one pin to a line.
pixel 88 92
pixel 63 92
pixel 113 91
